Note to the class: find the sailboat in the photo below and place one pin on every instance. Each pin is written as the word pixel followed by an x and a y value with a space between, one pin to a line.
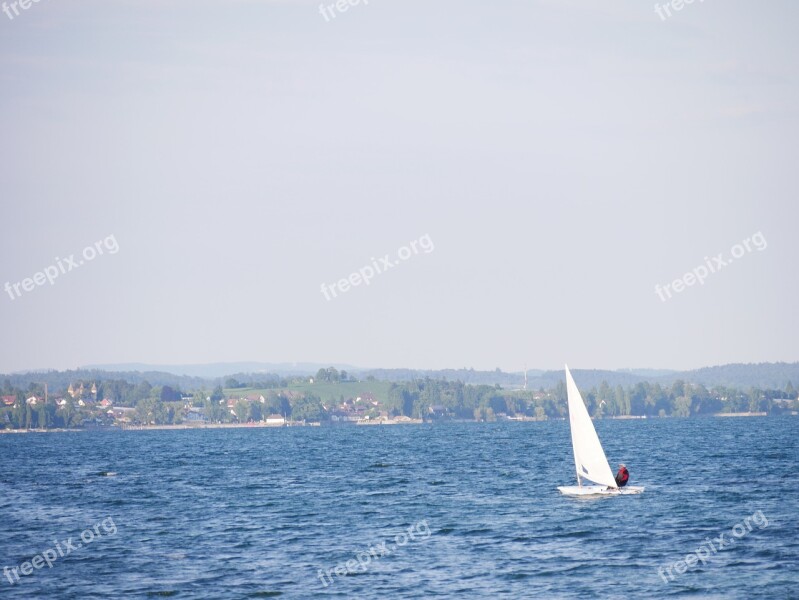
pixel 589 457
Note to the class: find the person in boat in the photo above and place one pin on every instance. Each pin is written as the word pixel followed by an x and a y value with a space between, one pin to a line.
pixel 623 476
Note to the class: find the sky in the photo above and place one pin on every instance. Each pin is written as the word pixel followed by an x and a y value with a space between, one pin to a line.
pixel 200 181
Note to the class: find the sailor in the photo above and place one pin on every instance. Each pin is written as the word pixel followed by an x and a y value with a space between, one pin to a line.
pixel 622 476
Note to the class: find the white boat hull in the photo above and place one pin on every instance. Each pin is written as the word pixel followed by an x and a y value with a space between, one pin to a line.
pixel 599 490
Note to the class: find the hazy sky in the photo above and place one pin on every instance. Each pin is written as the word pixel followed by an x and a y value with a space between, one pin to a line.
pixel 563 158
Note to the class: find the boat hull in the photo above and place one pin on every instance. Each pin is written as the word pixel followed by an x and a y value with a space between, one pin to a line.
pixel 599 490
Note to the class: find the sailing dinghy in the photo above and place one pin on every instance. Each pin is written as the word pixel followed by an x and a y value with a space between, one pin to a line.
pixel 589 458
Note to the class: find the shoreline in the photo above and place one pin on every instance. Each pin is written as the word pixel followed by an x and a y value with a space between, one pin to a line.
pixel 259 425
pixel 407 421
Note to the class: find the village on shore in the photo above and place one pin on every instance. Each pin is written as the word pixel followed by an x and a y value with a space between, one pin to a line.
pixel 333 398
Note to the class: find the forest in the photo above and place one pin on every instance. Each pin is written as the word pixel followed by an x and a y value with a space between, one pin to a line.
pixel 331 395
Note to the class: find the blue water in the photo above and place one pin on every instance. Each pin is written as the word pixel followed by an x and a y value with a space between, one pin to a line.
pixel 250 513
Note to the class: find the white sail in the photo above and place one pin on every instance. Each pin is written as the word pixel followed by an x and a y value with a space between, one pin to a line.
pixel 589 458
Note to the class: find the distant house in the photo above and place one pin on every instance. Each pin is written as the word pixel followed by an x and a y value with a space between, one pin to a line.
pixel 346 416
pixel 195 415
pixel 783 403
pixel 33 400
pixel 105 402
pixel 438 410
pixel 275 420
pixel 9 400
pixel 122 413
pixel 61 402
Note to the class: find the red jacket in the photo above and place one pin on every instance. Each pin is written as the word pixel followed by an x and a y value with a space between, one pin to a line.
pixel 622 476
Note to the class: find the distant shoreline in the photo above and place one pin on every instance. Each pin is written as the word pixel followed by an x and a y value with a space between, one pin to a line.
pixel 184 426
pixel 181 426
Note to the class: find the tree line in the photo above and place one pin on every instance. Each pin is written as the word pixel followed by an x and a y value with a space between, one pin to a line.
pixel 423 398
pixel 483 402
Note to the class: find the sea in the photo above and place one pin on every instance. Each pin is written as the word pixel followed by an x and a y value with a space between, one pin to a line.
pixel 445 510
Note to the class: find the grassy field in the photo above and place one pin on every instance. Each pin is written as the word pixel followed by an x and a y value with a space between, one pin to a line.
pixel 326 391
